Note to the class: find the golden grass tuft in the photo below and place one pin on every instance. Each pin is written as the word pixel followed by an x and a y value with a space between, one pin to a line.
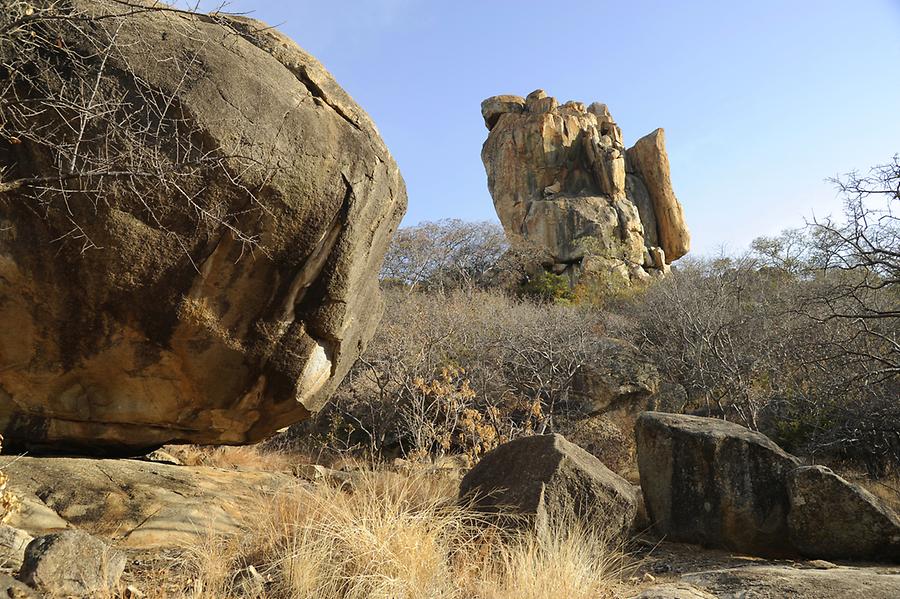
pixel 397 536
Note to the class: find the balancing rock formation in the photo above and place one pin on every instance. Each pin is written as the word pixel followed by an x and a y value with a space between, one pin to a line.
pixel 563 183
pixel 179 332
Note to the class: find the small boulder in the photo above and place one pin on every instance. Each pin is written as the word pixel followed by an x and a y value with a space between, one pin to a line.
pixel 546 478
pixel 12 588
pixel 833 518
pixel 12 546
pixel 715 483
pixel 71 563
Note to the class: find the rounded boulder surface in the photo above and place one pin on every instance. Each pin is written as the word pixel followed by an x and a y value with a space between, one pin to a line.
pixel 222 292
pixel 71 563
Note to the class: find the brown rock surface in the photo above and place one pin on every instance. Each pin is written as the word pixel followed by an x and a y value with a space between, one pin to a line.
pixel 559 180
pixel 176 331
pixel 650 162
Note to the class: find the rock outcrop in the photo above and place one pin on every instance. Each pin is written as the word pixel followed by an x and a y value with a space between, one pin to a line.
pixel 719 484
pixel 545 479
pixel 564 184
pixel 211 318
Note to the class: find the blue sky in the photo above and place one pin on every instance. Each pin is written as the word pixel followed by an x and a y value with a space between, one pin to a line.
pixel 761 101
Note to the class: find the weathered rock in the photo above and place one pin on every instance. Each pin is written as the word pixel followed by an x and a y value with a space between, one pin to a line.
pixel 12 546
pixel 137 504
pixel 10 588
pixel 543 479
pixel 620 376
pixel 651 164
pixel 601 438
pixel 713 482
pixel 559 176
pixel 833 518
pixel 71 563
pixel 493 108
pixel 776 581
pixel 176 331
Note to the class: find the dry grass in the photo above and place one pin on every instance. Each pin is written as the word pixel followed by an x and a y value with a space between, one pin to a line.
pixel 245 457
pixel 887 489
pixel 397 537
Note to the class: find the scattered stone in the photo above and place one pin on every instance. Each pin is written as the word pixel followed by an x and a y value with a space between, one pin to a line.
pixel 832 518
pixel 715 483
pixel 10 588
pixel 175 331
pixel 71 563
pixel 545 478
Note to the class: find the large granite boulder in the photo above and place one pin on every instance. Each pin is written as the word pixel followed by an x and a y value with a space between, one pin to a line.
pixel 715 483
pixel 832 518
pixel 545 479
pixel 202 265
pixel 563 184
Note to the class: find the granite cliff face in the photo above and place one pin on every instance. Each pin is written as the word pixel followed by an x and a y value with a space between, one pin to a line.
pixel 177 329
pixel 563 183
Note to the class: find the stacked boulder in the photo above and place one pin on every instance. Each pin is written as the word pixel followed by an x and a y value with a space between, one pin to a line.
pixel 563 183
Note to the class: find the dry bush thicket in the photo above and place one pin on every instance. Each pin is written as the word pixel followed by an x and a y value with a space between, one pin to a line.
pixel 461 372
pixel 797 338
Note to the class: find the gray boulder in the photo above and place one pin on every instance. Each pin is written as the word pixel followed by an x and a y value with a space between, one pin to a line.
pixel 715 483
pixel 544 479
pixel 832 518
pixel 71 563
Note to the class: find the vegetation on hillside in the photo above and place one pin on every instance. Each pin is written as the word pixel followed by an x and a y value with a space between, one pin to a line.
pixel 797 337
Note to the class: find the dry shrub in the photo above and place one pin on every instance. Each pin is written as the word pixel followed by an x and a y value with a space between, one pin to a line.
pixel 9 503
pixel 399 537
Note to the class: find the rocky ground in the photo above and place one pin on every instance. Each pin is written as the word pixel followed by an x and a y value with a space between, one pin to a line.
pixel 158 520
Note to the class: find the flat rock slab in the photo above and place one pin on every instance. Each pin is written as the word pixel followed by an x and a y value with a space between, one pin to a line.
pixel 137 504
pixel 776 582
